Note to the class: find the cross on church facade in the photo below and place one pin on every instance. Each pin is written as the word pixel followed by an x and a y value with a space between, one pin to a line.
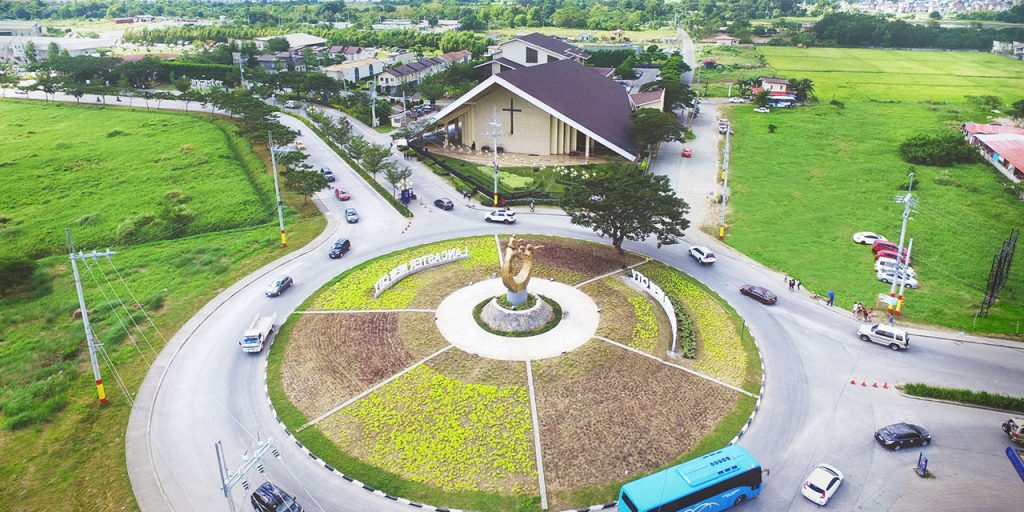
pixel 511 116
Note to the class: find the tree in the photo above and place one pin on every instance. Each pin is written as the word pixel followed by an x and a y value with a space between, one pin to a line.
pixel 8 78
pixel 30 52
pixel 802 88
pixel 677 94
pixel 375 159
pixel 935 15
pixel 986 103
pixel 625 70
pixel 277 44
pixel 674 67
pixel 762 98
pixel 943 150
pixel 356 146
pixel 77 92
pixel 652 126
pixel 395 175
pixel 305 183
pixel 432 88
pixel 1017 110
pixel 624 203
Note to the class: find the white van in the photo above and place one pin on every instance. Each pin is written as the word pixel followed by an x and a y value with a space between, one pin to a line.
pixel 892 337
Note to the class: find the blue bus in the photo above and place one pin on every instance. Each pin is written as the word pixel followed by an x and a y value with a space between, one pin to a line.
pixel 716 481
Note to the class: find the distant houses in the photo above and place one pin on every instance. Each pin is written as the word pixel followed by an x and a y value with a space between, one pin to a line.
pixel 1013 49
pixel 1001 146
pixel 296 41
pixel 412 72
pixel 779 94
pixel 724 40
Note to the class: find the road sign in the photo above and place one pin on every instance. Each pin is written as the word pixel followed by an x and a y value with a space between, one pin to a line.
pixel 1016 455
pixel 922 465
pixel 887 299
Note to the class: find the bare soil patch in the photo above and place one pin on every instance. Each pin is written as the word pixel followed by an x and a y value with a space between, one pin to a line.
pixel 433 285
pixel 331 358
pixel 627 416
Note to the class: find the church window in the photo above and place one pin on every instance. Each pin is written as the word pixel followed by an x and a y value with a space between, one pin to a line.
pixel 531 56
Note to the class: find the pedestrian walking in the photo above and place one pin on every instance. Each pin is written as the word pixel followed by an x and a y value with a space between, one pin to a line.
pixel 532 206
pixel 856 309
pixel 785 278
pixel 797 285
pixel 792 285
pixel 831 298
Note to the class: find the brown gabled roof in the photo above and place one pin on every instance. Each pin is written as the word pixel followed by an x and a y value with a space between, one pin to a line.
pixel 554 45
pixel 771 80
pixel 598 104
pixel 456 56
pixel 605 72
pixel 643 98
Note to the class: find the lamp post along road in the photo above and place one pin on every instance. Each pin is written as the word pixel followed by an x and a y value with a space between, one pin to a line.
pixel 901 260
pixel 277 189
pixel 89 336
pixel 725 180
pixel 495 133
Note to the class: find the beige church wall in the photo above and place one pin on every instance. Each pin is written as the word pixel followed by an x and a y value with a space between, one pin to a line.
pixel 532 125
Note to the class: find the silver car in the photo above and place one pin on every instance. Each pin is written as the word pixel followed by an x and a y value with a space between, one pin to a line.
pixel 892 337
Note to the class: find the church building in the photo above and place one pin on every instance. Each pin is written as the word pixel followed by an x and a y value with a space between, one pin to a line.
pixel 531 50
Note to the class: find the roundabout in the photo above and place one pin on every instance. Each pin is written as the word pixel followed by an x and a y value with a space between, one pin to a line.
pixel 418 400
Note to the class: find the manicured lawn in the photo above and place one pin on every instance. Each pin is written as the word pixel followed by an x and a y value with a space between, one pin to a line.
pixel 56 439
pixel 800 193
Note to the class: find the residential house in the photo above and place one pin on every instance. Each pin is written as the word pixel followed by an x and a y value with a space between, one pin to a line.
pixel 20 28
pixel 296 41
pixel 531 50
pixel 12 48
pixel 650 99
pixel 1002 146
pixel 413 72
pixel 347 53
pixel 725 40
pixel 585 37
pixel 354 70
pixel 779 94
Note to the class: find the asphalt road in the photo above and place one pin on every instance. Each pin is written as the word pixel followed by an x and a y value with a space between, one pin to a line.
pixel 203 389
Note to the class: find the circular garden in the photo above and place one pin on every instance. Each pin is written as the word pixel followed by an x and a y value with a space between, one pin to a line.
pixel 370 385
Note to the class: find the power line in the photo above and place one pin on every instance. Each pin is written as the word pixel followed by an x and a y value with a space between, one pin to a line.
pixel 117 376
pixel 136 301
pixel 125 307
pixel 88 268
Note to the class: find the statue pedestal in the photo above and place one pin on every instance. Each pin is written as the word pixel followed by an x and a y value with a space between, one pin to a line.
pixel 516 298
pixel 522 321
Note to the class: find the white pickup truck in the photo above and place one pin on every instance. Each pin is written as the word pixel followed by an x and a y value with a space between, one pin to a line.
pixel 258 333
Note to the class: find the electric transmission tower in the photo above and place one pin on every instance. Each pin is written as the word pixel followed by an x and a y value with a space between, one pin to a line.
pixel 89 336
pixel 229 479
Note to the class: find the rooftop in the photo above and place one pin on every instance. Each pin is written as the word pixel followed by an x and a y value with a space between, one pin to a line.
pixel 554 45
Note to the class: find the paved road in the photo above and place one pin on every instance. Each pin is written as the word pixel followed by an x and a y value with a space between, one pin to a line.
pixel 203 389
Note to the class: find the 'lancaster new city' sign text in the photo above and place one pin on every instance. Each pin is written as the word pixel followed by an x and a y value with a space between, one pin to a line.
pixel 418 265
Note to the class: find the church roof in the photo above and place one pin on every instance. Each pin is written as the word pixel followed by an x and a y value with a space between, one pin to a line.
pixel 577 95
pixel 554 45
pixel 511 64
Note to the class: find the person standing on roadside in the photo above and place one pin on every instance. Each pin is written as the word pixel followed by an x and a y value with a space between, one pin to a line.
pixel 831 297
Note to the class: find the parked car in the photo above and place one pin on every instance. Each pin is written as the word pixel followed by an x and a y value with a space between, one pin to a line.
pixel 269 498
pixel 1014 428
pixel 898 435
pixel 736 100
pixel 278 287
pixel 340 248
pixel 687 153
pixel 888 276
pixel 885 245
pixel 822 483
pixel 702 254
pixel 508 217
pixel 299 145
pixel 867 237
pixel 341 193
pixel 760 294
pixel 444 203
pixel 893 265
pixel 762 110
pixel 890 255
pixel 892 337
pixel 290 104
pixel 351 216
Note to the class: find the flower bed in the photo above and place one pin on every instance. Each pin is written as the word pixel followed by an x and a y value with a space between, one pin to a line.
pixel 721 352
pixel 436 430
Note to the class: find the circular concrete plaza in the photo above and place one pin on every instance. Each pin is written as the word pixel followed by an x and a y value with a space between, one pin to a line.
pixel 580 318
pixel 407 393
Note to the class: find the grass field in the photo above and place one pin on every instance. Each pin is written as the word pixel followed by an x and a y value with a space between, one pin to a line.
pixel 62 449
pixel 827 172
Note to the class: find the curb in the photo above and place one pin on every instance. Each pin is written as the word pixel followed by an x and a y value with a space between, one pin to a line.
pixel 951 402
pixel 757 405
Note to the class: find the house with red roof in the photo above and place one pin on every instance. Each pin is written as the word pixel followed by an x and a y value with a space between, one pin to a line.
pixel 779 94
pixel 1002 146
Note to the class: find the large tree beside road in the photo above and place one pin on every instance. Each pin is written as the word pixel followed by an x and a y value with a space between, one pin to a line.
pixel 625 203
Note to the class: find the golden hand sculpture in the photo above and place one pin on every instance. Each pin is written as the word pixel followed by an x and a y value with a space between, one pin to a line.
pixel 517 249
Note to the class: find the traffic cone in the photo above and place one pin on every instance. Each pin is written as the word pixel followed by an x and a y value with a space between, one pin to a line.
pixel 863 384
pixel 885 386
pixel 853 381
pixel 875 385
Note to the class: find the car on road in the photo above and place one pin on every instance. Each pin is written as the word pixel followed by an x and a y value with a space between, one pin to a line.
pixel 822 483
pixel 898 435
pixel 687 153
pixel 760 294
pixel 893 265
pixel 762 110
pixel 444 203
pixel 888 276
pixel 506 217
pixel 351 216
pixel 892 337
pixel 270 498
pixel 702 254
pixel 299 145
pixel 328 174
pixel 339 249
pixel 1014 428
pixel 867 237
pixel 736 100
pixel 341 194
pixel 279 286
pixel 290 104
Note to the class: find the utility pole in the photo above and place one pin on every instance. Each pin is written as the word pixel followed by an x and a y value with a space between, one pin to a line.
pixel 901 261
pixel 229 479
pixel 495 132
pixel 373 104
pixel 89 336
pixel 725 180
pixel 902 278
pixel 277 189
pixel 241 58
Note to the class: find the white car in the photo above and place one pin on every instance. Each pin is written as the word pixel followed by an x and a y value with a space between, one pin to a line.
pixel 762 110
pixel 506 217
pixel 822 483
pixel 867 237
pixel 290 104
pixel 888 265
pixel 702 254
pixel 736 100
pixel 888 276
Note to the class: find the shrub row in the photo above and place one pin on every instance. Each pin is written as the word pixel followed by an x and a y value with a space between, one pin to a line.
pixel 684 329
pixel 967 396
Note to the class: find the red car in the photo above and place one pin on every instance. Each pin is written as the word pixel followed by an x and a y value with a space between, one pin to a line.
pixel 687 153
pixel 758 293
pixel 884 253
pixel 884 245
pixel 341 194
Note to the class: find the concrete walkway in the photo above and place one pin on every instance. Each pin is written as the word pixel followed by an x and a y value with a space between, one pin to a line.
pixel 580 317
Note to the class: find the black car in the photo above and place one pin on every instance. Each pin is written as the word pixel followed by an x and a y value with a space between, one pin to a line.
pixel 268 498
pixel 762 295
pixel 898 435
pixel 340 248
pixel 444 203
pixel 278 287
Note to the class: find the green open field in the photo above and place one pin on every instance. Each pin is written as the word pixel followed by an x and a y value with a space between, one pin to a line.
pixel 61 169
pixel 828 171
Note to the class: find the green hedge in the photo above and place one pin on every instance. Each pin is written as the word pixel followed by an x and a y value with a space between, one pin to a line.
pixel 966 396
